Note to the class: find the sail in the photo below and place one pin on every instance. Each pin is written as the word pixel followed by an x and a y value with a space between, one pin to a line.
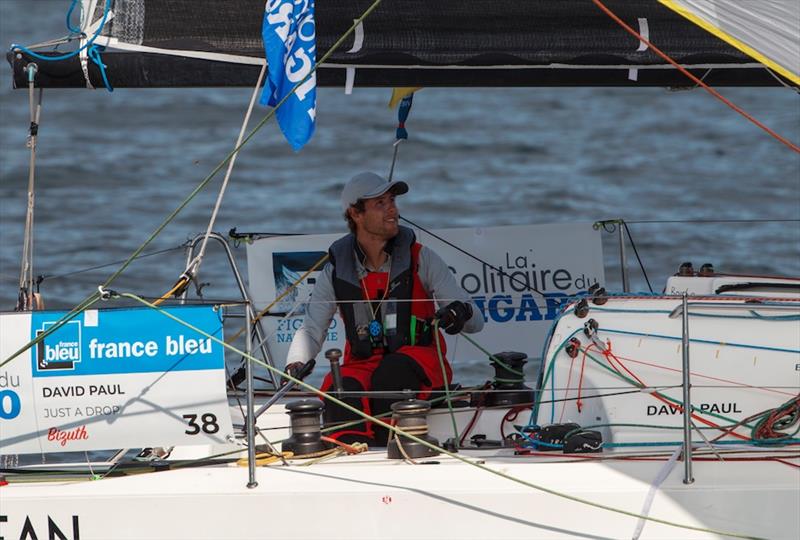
pixel 767 30
pixel 175 43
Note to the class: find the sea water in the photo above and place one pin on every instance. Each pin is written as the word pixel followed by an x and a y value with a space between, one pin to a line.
pixel 696 181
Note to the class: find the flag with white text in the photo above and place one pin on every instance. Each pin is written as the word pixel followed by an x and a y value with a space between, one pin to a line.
pixel 290 44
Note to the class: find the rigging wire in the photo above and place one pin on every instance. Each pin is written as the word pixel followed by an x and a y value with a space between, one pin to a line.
pixel 91 50
pixel 713 221
pixel 697 81
pixel 400 432
pixel 636 252
pixel 28 300
pixel 474 257
pixel 94 297
pixel 193 268
pixel 44 277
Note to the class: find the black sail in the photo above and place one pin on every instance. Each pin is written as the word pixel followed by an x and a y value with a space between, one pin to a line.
pixel 411 43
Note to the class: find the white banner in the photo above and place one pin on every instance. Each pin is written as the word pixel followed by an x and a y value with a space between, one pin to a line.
pixel 115 378
pixel 536 268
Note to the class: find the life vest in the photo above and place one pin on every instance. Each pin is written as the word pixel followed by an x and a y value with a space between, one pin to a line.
pixel 395 299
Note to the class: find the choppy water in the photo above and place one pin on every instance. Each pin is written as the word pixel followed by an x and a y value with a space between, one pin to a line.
pixel 112 166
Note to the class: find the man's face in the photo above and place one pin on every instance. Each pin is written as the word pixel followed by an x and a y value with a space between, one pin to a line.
pixel 379 217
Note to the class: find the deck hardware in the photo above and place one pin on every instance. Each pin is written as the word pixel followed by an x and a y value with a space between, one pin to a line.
pixel 687 402
pixel 707 270
pixel 305 417
pixel 598 294
pixel 573 347
pixel 509 380
pixel 333 356
pixel 582 308
pixel 251 417
pixel 590 328
pixel 411 416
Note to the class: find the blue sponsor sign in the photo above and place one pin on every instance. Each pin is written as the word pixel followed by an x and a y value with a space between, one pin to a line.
pixel 136 340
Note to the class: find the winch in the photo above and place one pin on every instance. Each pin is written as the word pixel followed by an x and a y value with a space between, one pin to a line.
pixel 509 380
pixel 411 416
pixel 305 427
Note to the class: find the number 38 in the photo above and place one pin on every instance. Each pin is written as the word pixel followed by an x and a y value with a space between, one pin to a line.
pixel 208 424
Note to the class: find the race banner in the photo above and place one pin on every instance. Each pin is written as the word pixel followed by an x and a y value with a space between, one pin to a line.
pixel 519 278
pixel 112 378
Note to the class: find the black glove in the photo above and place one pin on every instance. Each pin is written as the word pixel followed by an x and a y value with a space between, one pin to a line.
pixel 298 370
pixel 453 316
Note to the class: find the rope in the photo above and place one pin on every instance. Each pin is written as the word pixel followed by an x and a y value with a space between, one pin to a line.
pixel 91 50
pixel 438 339
pixel 94 296
pixel 282 296
pixel 414 438
pixel 697 81
pixel 478 259
pixel 28 300
pixel 417 431
pixel 45 277
pixel 715 221
pixel 706 341
pixel 636 252
pixel 194 266
pixel 493 357
pixel 265 459
pixel 89 43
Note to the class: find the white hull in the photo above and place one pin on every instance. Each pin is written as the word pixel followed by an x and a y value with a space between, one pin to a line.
pixel 367 496
pixel 753 492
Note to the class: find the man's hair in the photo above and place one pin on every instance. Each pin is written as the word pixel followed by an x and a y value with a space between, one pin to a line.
pixel 359 207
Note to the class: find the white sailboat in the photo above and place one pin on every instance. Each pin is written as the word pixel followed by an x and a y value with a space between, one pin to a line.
pixel 659 416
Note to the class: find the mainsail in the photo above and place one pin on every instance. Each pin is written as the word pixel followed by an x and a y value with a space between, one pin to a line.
pixel 767 30
pixel 181 43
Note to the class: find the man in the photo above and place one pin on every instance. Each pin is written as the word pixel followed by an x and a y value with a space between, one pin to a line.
pixel 383 283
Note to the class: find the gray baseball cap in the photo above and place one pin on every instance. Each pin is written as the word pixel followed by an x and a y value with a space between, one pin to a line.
pixel 368 185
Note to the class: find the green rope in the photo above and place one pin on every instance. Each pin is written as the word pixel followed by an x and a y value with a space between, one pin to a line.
pixel 453 455
pixel 94 296
pixel 77 310
pixel 493 358
pixel 437 339
pixel 540 393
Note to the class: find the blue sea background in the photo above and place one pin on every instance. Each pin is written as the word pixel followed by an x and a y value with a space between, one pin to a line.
pixel 112 166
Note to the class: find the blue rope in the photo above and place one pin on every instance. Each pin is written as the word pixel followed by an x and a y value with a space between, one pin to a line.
pixel 69 16
pixel 94 52
pixel 758 442
pixel 707 341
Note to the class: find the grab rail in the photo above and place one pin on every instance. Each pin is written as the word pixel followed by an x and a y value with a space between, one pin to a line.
pixel 259 330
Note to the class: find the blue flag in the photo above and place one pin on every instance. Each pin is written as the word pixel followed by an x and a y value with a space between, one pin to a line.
pixel 290 44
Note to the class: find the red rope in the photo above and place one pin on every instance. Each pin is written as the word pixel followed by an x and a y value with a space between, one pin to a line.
pixel 694 79
pixel 579 402
pixel 566 390
pixel 701 376
pixel 608 354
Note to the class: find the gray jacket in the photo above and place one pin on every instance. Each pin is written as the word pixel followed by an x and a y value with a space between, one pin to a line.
pixel 436 278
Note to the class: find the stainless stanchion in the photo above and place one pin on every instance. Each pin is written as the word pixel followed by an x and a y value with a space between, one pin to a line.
pixel 687 401
pixel 623 258
pixel 251 418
